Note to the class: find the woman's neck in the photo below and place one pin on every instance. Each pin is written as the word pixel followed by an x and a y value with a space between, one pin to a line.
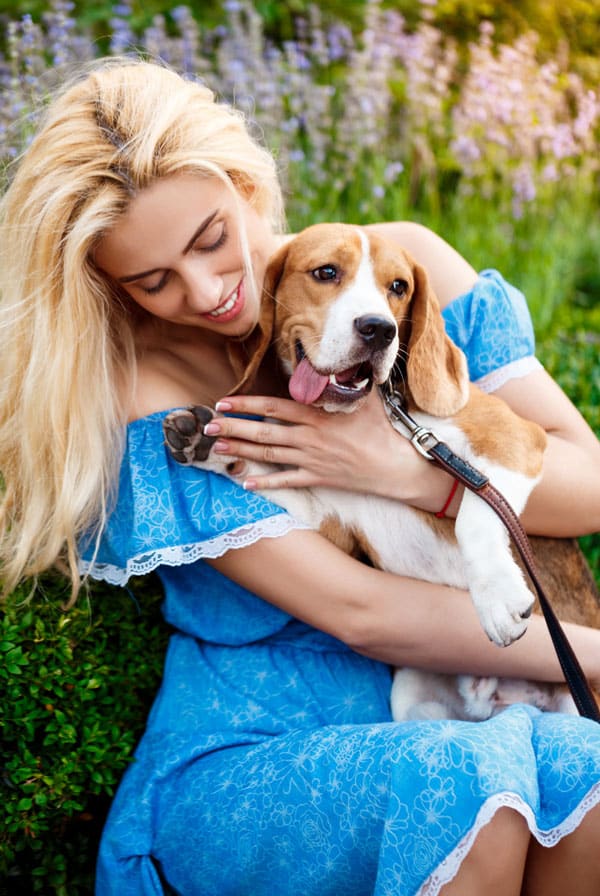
pixel 179 366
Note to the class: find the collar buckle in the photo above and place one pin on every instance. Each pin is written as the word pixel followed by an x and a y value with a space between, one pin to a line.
pixel 422 439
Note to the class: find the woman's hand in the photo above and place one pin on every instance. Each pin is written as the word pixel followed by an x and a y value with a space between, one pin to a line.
pixel 359 451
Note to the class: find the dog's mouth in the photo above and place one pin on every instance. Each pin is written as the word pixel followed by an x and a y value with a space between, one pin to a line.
pixel 307 385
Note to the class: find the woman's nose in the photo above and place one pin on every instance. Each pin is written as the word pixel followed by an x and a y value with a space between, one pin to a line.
pixel 203 289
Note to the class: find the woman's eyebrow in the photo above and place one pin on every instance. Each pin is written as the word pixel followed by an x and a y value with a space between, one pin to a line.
pixel 198 232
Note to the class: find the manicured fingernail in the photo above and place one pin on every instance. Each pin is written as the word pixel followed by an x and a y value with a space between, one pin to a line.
pixel 221 446
pixel 249 484
pixel 223 405
pixel 211 429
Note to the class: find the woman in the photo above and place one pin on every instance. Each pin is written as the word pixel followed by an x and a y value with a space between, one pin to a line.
pixel 135 236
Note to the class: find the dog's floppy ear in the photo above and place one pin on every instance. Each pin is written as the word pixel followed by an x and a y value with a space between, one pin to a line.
pixel 246 355
pixel 437 373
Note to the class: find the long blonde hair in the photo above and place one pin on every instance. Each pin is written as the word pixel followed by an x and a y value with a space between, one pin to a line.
pixel 67 354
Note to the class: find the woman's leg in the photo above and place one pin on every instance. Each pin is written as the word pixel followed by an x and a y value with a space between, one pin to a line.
pixel 496 861
pixel 572 866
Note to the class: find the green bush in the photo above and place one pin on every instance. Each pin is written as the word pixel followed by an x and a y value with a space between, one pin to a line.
pixel 75 689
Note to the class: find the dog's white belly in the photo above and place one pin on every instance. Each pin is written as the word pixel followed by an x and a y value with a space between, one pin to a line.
pixel 407 545
pixel 401 538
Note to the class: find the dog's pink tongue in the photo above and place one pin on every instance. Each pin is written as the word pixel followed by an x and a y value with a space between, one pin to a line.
pixel 306 385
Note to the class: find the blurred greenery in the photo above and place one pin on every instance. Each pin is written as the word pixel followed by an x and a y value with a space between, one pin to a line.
pixel 577 22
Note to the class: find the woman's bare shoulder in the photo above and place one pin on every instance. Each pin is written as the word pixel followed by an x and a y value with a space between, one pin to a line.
pixel 158 388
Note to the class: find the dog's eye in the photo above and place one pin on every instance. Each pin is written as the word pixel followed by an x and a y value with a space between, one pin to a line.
pixel 325 272
pixel 399 287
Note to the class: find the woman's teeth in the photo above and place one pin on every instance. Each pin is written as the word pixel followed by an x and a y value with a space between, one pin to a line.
pixel 222 309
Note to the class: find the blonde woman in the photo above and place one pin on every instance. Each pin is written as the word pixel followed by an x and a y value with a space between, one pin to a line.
pixel 134 239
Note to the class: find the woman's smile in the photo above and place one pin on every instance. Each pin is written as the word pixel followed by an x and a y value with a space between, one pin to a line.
pixel 231 307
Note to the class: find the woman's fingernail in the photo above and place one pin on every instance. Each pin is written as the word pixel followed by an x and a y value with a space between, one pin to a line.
pixel 221 446
pixel 223 405
pixel 249 484
pixel 211 429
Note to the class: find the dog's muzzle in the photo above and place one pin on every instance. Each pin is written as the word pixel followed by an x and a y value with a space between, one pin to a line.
pixel 308 385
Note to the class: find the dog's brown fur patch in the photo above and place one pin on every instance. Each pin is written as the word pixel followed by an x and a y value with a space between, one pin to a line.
pixel 495 431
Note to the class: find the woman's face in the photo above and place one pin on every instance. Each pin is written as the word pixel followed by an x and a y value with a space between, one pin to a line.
pixel 177 252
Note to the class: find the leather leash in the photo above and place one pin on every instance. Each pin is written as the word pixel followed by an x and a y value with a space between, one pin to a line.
pixel 427 444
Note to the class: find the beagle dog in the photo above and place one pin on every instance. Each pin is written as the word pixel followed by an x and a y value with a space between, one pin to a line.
pixel 343 308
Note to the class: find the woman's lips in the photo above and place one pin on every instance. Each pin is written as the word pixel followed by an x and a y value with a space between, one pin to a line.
pixel 230 308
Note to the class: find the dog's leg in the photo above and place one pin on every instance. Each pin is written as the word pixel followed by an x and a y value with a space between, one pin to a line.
pixel 418 695
pixel 497 585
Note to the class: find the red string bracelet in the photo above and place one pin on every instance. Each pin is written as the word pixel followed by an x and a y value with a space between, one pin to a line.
pixel 442 513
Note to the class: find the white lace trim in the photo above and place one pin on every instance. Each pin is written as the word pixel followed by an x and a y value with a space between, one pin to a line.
pixel 177 555
pixel 448 869
pixel 497 378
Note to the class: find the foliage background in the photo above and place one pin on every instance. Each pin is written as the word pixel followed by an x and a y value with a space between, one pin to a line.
pixel 478 119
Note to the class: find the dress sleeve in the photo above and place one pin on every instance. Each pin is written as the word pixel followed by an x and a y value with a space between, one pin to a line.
pixel 492 325
pixel 168 514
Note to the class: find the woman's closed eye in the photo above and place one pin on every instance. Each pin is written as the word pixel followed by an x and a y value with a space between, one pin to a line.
pixel 211 240
pixel 156 288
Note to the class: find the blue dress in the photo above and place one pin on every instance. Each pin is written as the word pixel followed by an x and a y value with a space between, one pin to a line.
pixel 270 763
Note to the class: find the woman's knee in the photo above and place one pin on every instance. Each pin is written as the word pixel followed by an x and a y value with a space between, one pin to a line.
pixel 506 837
pixel 495 863
pixel 572 865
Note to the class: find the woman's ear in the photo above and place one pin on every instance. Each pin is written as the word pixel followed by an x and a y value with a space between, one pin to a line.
pixel 437 373
pixel 246 355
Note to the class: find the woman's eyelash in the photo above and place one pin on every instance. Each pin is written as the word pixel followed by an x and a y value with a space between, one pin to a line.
pixel 217 244
pixel 152 290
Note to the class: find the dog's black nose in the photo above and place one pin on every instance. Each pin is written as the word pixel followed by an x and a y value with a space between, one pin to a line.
pixel 375 330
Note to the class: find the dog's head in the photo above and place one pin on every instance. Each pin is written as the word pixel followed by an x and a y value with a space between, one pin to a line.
pixel 340 305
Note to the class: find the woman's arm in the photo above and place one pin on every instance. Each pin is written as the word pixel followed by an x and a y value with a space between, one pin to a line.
pixel 567 500
pixel 360 451
pixel 396 620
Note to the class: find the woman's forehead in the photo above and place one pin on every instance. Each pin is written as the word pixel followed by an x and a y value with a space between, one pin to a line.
pixel 161 217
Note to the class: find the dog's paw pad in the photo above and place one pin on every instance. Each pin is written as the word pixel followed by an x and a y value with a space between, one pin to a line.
pixel 503 627
pixel 504 604
pixel 184 435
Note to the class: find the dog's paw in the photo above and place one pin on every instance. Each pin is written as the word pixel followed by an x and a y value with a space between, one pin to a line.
pixel 184 434
pixel 504 609
pixel 479 696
